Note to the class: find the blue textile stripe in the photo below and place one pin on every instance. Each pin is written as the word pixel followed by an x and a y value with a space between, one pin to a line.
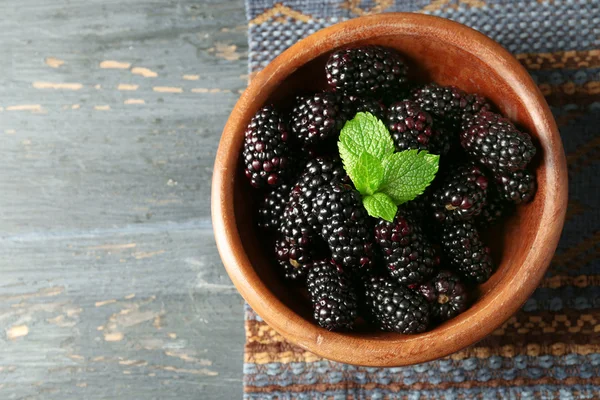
pixel 551 348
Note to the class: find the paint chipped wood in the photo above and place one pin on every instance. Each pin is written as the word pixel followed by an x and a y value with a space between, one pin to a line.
pixel 134 180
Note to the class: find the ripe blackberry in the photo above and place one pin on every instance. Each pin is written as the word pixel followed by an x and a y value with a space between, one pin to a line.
pixel 332 296
pixel 266 149
pixel 494 208
pixel 466 252
pixel 344 226
pixel 446 295
pixel 407 254
pixel 396 308
pixel 449 103
pixel 461 194
pixel 294 258
pixel 410 126
pixel 517 187
pixel 317 173
pixel 364 104
pixel 317 117
pixel 495 143
pixel 272 206
pixel 368 70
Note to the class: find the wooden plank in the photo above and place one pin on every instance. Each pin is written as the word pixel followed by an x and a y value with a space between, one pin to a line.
pixel 110 115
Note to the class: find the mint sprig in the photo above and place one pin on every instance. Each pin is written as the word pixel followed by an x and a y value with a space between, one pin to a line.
pixel 385 179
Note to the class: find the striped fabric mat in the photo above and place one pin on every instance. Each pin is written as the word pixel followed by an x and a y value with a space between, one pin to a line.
pixel 551 348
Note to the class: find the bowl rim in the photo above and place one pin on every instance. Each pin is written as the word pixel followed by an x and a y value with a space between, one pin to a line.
pixel 493 310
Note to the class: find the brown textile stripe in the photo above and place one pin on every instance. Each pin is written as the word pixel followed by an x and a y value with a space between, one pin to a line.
pixel 571 93
pixel 581 281
pixel 291 354
pixel 396 387
pixel 560 60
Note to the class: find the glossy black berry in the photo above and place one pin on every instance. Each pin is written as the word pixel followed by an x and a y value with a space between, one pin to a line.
pixel 272 207
pixel 466 253
pixel 449 104
pixel 317 117
pixel 496 144
pixel 495 208
pixel 410 126
pixel 516 187
pixel 345 226
pixel 461 195
pixel 368 71
pixel 446 294
pixel 332 296
pixel 396 308
pixel 407 253
pixel 266 153
pixel 294 259
pixel 366 104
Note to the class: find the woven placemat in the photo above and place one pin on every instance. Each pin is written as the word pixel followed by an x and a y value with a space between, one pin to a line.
pixel 551 348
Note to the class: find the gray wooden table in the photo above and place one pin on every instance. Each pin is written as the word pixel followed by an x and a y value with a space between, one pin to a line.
pixel 110 115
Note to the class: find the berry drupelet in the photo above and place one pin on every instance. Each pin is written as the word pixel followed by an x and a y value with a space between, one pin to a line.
pixel 495 143
pixel 461 195
pixel 449 104
pixel 332 296
pixel 466 252
pixel 345 226
pixel 272 207
pixel 396 308
pixel 369 71
pixel 317 117
pixel 407 254
pixel 517 187
pixel 266 150
pixel 446 295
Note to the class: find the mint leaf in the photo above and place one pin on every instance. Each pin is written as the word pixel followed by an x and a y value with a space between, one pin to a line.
pixel 379 205
pixel 367 174
pixel 407 174
pixel 364 133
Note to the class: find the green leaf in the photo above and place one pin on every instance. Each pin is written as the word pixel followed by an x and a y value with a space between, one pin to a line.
pixel 364 133
pixel 367 174
pixel 379 205
pixel 407 174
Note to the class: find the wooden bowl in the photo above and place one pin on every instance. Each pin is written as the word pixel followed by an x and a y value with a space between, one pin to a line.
pixel 436 49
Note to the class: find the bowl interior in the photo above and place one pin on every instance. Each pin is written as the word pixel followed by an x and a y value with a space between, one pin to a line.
pixel 436 50
pixel 429 60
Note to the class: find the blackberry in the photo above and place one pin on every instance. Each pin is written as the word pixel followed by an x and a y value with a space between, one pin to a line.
pixel 466 252
pixel 461 194
pixel 407 254
pixel 449 103
pixel 410 126
pixel 332 296
pixel 494 209
pixel 396 308
pixel 446 295
pixel 517 187
pixel 317 173
pixel 293 258
pixel 317 117
pixel 272 206
pixel 266 149
pixel 368 70
pixel 344 226
pixel 364 104
pixel 495 143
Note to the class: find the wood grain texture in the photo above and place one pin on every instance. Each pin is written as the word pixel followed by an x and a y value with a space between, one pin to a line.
pixel 110 116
